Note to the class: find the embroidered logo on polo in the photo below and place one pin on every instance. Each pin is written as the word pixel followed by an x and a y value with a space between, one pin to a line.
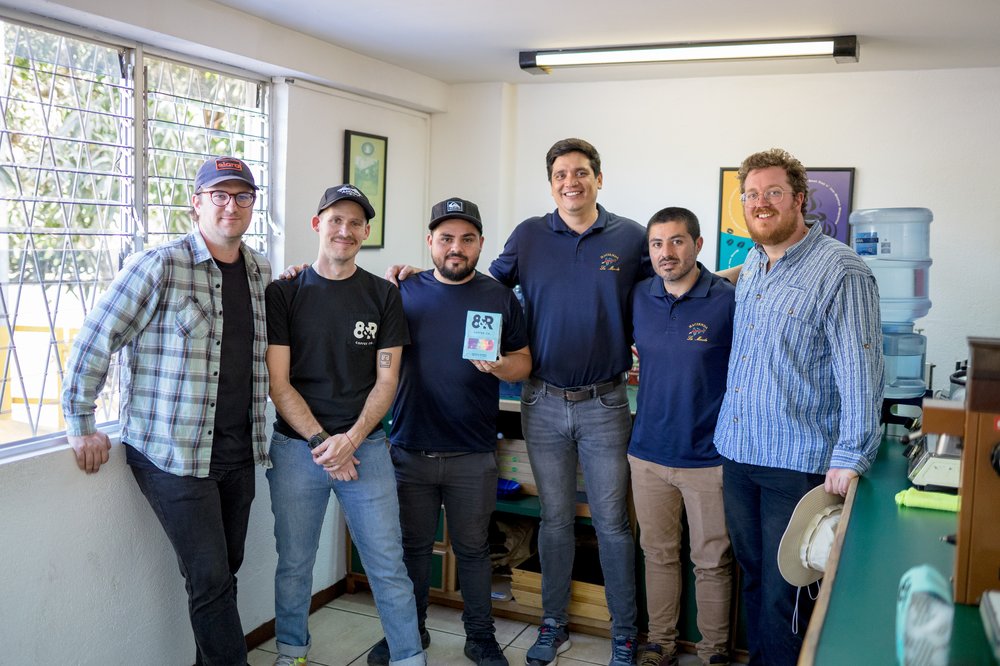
pixel 610 262
pixel 697 332
pixel 365 332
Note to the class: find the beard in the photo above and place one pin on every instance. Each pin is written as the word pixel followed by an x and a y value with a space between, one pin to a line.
pixel 772 233
pixel 457 274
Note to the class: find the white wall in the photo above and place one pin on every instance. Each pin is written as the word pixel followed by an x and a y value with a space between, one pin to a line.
pixel 90 577
pixel 925 138
pixel 312 153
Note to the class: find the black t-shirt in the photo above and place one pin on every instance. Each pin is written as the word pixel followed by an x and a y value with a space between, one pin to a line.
pixel 231 441
pixel 334 329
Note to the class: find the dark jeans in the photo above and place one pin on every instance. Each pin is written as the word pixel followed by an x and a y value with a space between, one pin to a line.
pixel 206 522
pixel 759 503
pixel 466 485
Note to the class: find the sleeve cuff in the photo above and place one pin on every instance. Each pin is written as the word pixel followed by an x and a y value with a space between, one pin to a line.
pixel 79 426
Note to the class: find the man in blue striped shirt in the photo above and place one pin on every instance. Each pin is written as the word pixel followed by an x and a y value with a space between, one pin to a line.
pixel 804 388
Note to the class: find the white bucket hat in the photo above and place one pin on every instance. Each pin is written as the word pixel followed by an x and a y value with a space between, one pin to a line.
pixel 805 546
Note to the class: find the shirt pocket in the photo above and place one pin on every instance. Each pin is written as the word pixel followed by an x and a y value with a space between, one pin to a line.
pixel 795 317
pixel 192 320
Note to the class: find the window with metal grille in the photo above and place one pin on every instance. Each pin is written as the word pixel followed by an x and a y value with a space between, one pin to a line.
pixel 70 206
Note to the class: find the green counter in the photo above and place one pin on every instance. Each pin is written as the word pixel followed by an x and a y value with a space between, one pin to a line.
pixel 881 543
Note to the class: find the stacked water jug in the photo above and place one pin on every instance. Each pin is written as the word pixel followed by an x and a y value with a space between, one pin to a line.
pixel 894 242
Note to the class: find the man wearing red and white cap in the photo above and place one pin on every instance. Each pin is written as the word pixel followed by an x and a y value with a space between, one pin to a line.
pixel 188 317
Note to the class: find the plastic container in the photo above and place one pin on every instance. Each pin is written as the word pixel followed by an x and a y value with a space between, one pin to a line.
pixel 895 243
pixel 904 353
pixel 892 233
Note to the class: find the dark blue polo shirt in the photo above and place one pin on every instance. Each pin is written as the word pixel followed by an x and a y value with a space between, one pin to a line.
pixel 683 346
pixel 443 403
pixel 576 293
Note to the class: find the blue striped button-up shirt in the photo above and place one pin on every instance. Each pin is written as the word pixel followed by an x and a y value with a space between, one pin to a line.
pixel 164 309
pixel 805 381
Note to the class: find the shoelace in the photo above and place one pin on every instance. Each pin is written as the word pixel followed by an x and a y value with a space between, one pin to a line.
pixel 547 636
pixel 621 650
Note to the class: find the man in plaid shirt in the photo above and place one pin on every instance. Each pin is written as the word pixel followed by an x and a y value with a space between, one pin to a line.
pixel 189 319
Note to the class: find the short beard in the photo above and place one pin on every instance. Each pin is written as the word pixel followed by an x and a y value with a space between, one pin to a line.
pixel 456 275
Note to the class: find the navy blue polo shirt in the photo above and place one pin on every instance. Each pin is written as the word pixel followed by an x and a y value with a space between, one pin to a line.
pixel 576 293
pixel 443 402
pixel 683 346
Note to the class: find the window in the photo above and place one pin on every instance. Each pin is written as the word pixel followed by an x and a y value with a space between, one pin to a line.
pixel 72 203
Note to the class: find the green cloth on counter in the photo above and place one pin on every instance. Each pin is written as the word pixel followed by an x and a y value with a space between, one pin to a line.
pixel 927 500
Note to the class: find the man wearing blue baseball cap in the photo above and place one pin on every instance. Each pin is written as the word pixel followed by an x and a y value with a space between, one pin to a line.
pixel 189 318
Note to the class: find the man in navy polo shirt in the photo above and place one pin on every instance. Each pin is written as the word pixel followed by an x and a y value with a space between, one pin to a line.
pixel 576 267
pixel 444 417
pixel 683 328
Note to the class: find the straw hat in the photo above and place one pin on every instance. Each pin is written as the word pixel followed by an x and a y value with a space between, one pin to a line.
pixel 808 539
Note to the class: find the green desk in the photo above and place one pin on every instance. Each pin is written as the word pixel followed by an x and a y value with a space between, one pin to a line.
pixel 883 541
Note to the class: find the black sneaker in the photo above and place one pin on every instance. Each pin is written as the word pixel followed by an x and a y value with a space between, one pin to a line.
pixel 485 652
pixel 719 660
pixel 379 654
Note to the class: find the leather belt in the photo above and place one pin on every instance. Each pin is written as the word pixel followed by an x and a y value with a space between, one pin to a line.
pixel 442 454
pixel 578 393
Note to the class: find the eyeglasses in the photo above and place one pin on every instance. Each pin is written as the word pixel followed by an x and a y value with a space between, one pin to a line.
pixel 773 196
pixel 221 198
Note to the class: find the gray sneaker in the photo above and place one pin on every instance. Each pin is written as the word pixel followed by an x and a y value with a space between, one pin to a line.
pixel 379 654
pixel 623 651
pixel 285 660
pixel 553 640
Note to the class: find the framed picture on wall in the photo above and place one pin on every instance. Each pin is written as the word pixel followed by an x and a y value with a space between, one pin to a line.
pixel 364 167
pixel 830 201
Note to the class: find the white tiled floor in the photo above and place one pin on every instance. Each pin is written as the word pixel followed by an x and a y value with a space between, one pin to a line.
pixel 344 631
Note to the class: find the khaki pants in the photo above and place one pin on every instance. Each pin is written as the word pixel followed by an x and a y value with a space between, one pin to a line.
pixel 661 494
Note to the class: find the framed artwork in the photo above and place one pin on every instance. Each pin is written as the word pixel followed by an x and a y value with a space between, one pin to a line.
pixel 364 167
pixel 830 200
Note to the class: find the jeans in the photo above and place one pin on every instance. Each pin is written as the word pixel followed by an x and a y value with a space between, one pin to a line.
pixel 206 521
pixel 594 432
pixel 662 495
pixel 300 493
pixel 466 485
pixel 759 504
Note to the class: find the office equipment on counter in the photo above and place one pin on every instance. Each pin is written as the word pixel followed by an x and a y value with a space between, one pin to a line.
pixel 935 461
pixel 977 422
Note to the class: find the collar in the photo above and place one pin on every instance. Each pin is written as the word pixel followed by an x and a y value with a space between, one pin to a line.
pixel 556 223
pixel 699 289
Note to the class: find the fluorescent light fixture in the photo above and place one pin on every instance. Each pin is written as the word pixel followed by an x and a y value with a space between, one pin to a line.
pixel 843 49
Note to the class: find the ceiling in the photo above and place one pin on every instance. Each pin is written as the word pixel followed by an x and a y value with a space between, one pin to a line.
pixel 465 41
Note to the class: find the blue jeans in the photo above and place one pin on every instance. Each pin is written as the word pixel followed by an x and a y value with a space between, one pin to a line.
pixel 759 503
pixel 466 485
pixel 206 521
pixel 300 494
pixel 594 432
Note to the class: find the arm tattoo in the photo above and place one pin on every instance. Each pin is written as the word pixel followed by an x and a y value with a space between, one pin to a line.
pixel 384 359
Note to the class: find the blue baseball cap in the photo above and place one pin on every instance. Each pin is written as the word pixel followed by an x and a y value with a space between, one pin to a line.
pixel 219 169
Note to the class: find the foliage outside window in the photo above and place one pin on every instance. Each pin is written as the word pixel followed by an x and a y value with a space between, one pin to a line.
pixel 77 195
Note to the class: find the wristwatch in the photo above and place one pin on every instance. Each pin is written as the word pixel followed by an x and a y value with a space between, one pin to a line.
pixel 318 438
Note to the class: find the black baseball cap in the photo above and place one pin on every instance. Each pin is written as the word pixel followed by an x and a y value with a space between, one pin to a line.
pixel 349 192
pixel 455 208
pixel 219 169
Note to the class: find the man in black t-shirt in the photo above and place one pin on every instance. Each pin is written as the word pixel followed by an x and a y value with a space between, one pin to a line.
pixel 335 337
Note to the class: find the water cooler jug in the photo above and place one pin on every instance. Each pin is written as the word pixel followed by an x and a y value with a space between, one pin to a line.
pixel 894 242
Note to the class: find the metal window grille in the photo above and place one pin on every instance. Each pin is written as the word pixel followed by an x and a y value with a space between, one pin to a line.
pixel 70 206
